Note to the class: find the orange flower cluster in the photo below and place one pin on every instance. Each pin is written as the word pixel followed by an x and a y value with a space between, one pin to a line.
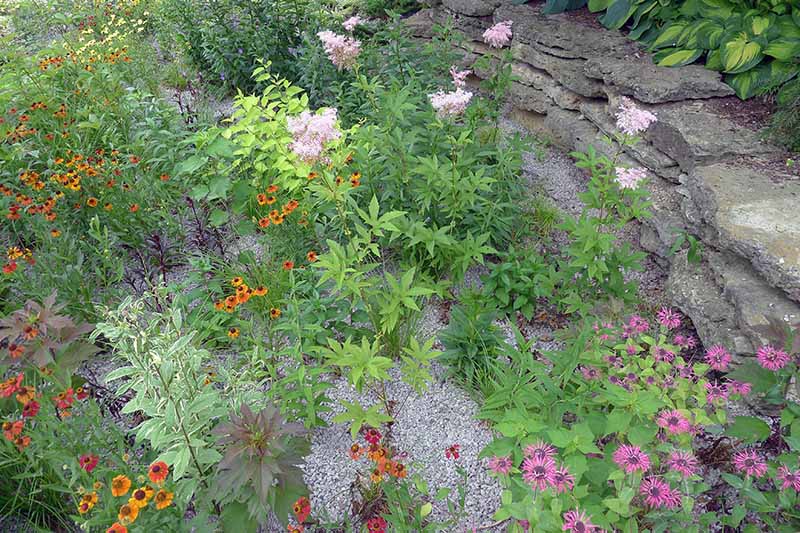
pixel 23 130
pixel 51 61
pixel 242 295
pixel 381 456
pixel 139 498
pixel 14 253
pixel 275 216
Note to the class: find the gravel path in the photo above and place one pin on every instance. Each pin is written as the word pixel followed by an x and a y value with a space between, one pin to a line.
pixel 423 428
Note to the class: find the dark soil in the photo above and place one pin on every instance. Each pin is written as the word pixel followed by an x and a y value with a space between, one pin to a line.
pixel 753 114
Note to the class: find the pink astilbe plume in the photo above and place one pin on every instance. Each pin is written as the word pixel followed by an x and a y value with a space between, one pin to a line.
pixel 750 463
pixel 351 23
pixel 788 479
pixel 578 521
pixel 633 120
pixel 341 50
pixel 500 465
pixel 669 318
pixel 673 422
pixel 631 458
pixel 629 178
pixel 498 35
pixel 450 104
pixel 538 472
pixel 683 462
pixel 718 358
pixel 772 358
pixel 311 132
pixel 459 76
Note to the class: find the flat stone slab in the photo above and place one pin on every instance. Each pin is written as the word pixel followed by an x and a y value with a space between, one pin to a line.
pixel 694 291
pixel 561 35
pixel 752 212
pixel 693 134
pixel 646 82
pixel 567 72
pixel 754 301
pixel 471 8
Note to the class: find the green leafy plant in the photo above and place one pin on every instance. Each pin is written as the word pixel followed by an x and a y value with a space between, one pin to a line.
pixel 472 342
pixel 260 466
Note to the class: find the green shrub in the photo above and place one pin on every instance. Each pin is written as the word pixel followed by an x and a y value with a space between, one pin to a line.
pixel 785 128
pixel 227 38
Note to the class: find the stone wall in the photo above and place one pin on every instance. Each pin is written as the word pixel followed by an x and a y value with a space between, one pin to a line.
pixel 709 175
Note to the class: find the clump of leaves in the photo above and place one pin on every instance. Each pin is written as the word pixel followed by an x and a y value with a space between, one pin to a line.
pixel 39 335
pixel 260 468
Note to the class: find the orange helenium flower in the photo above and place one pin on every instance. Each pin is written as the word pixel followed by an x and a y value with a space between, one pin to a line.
pixel 128 513
pixel 163 499
pixel 120 485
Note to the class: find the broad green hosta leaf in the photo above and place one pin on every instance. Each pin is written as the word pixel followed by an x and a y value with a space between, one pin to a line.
pixel 598 5
pixel 783 49
pixel 740 54
pixel 618 14
pixel 669 35
pixel 559 6
pixel 759 25
pixel 762 78
pixel 714 60
pixel 680 57
pixel 709 34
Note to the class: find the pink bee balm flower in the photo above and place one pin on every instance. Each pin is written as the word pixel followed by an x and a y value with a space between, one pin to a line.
pixel 341 50
pixel 459 76
pixel 498 35
pixel 772 358
pixel 562 479
pixel 351 23
pixel 629 178
pixel 718 358
pixel 663 355
pixel 738 387
pixel 715 391
pixel 540 450
pixel 453 451
pixel 656 492
pixel 450 104
pixel 500 465
pixel 578 522
pixel 669 318
pixel 311 132
pixel 683 462
pixel 788 478
pixel 633 120
pixel 590 373
pixel 674 422
pixel 538 473
pixel 750 463
pixel 631 459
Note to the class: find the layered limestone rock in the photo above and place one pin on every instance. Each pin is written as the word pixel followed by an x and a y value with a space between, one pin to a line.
pixel 708 175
